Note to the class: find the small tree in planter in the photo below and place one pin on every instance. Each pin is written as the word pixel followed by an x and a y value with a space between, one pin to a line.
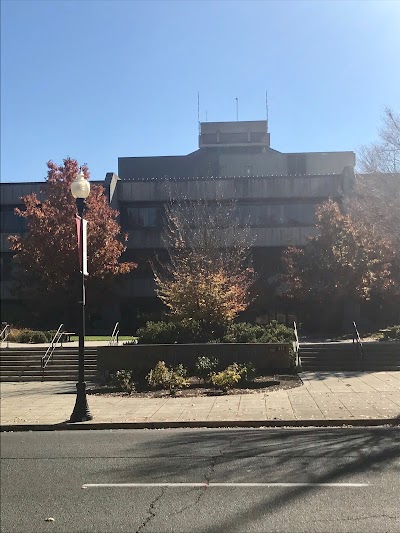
pixel 209 273
pixel 123 380
pixel 173 379
pixel 205 366
pixel 228 378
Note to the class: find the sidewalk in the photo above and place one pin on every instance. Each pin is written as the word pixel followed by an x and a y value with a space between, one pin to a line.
pixel 324 398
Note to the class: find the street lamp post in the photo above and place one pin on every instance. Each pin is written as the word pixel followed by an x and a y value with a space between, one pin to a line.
pixel 80 189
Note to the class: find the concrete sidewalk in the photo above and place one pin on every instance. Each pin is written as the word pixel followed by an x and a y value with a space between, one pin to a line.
pixel 324 397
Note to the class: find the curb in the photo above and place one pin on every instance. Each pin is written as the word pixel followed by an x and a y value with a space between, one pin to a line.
pixel 340 423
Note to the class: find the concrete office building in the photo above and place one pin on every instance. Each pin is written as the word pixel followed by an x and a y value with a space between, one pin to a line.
pixel 276 193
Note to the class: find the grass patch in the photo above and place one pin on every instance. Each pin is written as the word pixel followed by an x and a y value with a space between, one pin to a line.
pixel 102 338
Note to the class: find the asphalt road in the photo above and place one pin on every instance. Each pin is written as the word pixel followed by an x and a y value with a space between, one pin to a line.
pixel 265 480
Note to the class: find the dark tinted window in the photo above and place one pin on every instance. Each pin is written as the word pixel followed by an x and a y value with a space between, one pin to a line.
pixel 12 223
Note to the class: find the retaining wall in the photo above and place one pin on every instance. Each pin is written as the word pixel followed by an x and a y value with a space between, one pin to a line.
pixel 141 358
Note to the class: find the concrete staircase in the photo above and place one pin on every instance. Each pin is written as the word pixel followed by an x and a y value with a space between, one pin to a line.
pixel 343 356
pixel 24 364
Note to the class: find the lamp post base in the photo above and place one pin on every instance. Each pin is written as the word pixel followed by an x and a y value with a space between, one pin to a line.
pixel 81 411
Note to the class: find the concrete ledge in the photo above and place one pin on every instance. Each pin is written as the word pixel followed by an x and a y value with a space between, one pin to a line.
pixel 143 357
pixel 357 422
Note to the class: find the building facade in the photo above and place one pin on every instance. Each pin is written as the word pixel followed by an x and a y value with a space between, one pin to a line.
pixel 275 193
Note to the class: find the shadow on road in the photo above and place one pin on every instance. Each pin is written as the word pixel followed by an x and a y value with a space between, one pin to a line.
pixel 311 456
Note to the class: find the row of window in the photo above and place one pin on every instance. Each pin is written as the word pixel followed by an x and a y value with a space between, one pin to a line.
pixel 151 217
pixel 252 215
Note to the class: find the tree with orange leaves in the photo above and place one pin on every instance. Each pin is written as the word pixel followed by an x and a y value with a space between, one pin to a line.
pixel 209 273
pixel 346 261
pixel 47 254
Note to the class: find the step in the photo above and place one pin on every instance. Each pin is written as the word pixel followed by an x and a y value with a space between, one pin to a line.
pixel 24 351
pixel 48 373
pixel 24 362
pixel 366 357
pixel 38 370
pixel 350 356
pixel 47 378
pixel 352 367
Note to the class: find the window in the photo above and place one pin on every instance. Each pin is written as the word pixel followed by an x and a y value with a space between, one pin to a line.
pixel 141 217
pixel 6 266
pixel 271 215
pixel 12 223
pixel 299 214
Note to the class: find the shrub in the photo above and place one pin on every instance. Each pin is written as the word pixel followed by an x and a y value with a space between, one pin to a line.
pixel 38 337
pixel 50 334
pixel 19 335
pixel 185 331
pixel 247 371
pixel 130 343
pixel 392 334
pixel 180 370
pixel 122 379
pixel 244 332
pixel 205 366
pixel 228 378
pixel 173 379
pixel 275 332
pixel 177 379
pixel 158 377
pixel 188 331
pixel 28 336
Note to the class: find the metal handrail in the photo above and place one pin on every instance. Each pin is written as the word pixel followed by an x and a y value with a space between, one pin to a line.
pixel 114 336
pixel 5 332
pixel 296 345
pixel 357 338
pixel 50 350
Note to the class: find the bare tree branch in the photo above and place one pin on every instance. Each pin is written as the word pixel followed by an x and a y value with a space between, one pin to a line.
pixel 209 273
pixel 383 155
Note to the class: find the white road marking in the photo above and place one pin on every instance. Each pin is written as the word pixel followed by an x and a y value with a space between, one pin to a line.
pixel 204 485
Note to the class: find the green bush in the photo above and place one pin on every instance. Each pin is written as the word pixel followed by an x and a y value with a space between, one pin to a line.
pixel 186 331
pixel 39 337
pixel 243 332
pixel 158 377
pixel 173 379
pixel 50 334
pixel 189 331
pixel 122 379
pixel 205 366
pixel 276 332
pixel 180 370
pixel 247 371
pixel 392 334
pixel 177 379
pixel 22 335
pixel 249 333
pixel 228 378
pixel 29 336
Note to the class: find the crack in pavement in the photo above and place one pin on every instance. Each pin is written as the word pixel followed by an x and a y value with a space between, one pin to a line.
pixel 150 511
pixel 355 518
pixel 207 476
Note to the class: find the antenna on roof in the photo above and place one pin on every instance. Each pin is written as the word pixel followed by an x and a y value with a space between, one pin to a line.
pixel 237 109
pixel 206 115
pixel 198 110
pixel 266 104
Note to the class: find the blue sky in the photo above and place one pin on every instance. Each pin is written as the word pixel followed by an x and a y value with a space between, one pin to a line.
pixel 97 80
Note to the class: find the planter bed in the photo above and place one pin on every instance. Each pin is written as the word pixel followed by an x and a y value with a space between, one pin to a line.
pixel 261 384
pixel 141 358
